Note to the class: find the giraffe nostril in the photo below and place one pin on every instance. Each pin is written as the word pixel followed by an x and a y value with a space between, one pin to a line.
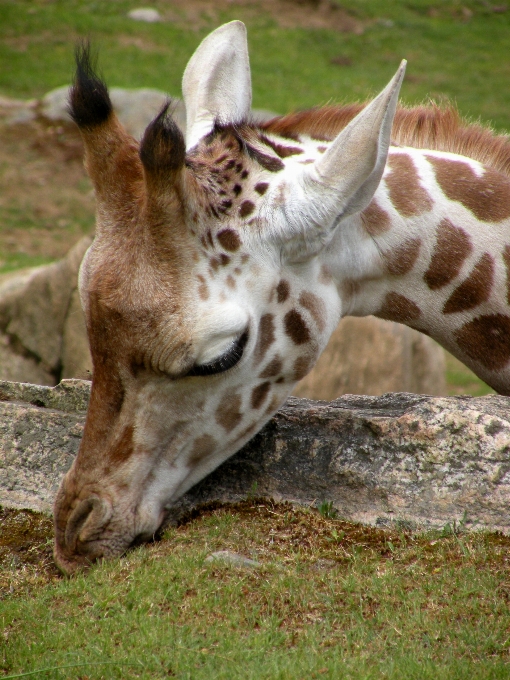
pixel 87 521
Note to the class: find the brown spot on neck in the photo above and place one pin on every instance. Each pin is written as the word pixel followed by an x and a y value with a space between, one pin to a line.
pixel 406 193
pixel 475 289
pixel 266 337
pixel 296 328
pixel 228 414
pixel 282 291
pixel 375 220
pixel 398 308
pixel 486 339
pixel 316 307
pixel 402 259
pixel 452 247
pixel 259 394
pixel 202 447
pixel 301 367
pixel 487 197
pixel 273 368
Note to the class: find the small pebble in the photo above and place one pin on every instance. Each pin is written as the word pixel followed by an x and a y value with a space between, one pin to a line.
pixel 232 558
pixel 145 14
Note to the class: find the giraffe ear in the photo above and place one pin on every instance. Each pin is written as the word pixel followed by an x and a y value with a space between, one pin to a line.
pixel 344 180
pixel 216 85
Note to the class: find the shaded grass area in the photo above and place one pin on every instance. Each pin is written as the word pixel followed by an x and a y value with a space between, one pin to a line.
pixel 330 599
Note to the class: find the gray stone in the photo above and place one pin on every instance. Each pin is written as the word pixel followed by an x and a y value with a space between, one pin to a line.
pixel 135 108
pixel 76 359
pixel 233 559
pixel 147 14
pixel 40 308
pixel 372 356
pixel 14 365
pixel 399 457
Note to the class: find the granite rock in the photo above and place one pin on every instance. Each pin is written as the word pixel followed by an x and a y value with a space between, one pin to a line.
pixel 400 458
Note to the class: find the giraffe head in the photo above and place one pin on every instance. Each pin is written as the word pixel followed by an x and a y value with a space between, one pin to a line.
pixel 204 292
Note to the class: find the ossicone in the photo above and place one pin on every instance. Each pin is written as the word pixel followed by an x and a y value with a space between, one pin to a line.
pixel 163 149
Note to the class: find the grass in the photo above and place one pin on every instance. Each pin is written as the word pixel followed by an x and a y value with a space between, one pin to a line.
pixel 454 49
pixel 331 599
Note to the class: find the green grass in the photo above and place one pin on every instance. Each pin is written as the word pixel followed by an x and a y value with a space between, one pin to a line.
pixel 464 58
pixel 331 599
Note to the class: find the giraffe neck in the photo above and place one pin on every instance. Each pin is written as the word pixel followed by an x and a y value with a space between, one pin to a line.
pixel 432 251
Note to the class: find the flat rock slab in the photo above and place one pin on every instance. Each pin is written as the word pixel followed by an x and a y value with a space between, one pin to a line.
pixel 400 457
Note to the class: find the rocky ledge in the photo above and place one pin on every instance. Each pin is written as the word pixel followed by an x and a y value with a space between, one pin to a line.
pixel 400 457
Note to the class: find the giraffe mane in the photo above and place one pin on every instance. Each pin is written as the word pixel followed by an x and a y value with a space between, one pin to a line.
pixel 435 127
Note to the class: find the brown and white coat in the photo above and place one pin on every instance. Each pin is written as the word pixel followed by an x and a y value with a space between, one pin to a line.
pixel 223 263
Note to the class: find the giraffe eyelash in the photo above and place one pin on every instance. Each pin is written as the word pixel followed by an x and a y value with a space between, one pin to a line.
pixel 227 360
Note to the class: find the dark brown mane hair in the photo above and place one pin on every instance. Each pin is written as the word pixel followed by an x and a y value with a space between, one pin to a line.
pixel 434 127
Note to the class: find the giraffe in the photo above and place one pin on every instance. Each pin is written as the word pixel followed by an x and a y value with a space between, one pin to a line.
pixel 222 263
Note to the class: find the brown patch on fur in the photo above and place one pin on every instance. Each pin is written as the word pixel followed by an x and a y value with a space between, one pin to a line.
pixel 487 197
pixel 406 193
pixel 325 275
pixel 273 368
pixel 267 162
pixel 322 149
pixel 282 291
pixel 273 406
pixel 214 262
pixel 506 260
pixel 237 189
pixel 486 339
pixel 259 394
pixel 420 127
pixel 231 282
pixel 229 240
pixel 224 259
pixel 228 414
pixel 202 447
pixel 203 290
pixel 261 187
pixel 265 337
pixel 475 289
pixel 316 307
pixel 122 450
pixel 296 328
pixel 280 149
pixel 398 308
pixel 452 247
pixel 246 208
pixel 402 259
pixel 375 220
pixel 301 367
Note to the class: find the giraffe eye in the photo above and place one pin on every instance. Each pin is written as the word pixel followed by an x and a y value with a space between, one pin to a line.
pixel 227 360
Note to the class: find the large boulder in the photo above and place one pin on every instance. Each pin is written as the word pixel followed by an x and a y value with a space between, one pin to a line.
pixel 399 458
pixel 372 356
pixel 35 310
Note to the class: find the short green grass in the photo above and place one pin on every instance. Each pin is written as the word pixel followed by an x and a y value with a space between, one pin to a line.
pixel 330 600
pixel 455 49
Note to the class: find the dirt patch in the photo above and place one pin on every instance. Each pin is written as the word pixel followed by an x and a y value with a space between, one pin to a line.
pixel 287 13
pixel 46 200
